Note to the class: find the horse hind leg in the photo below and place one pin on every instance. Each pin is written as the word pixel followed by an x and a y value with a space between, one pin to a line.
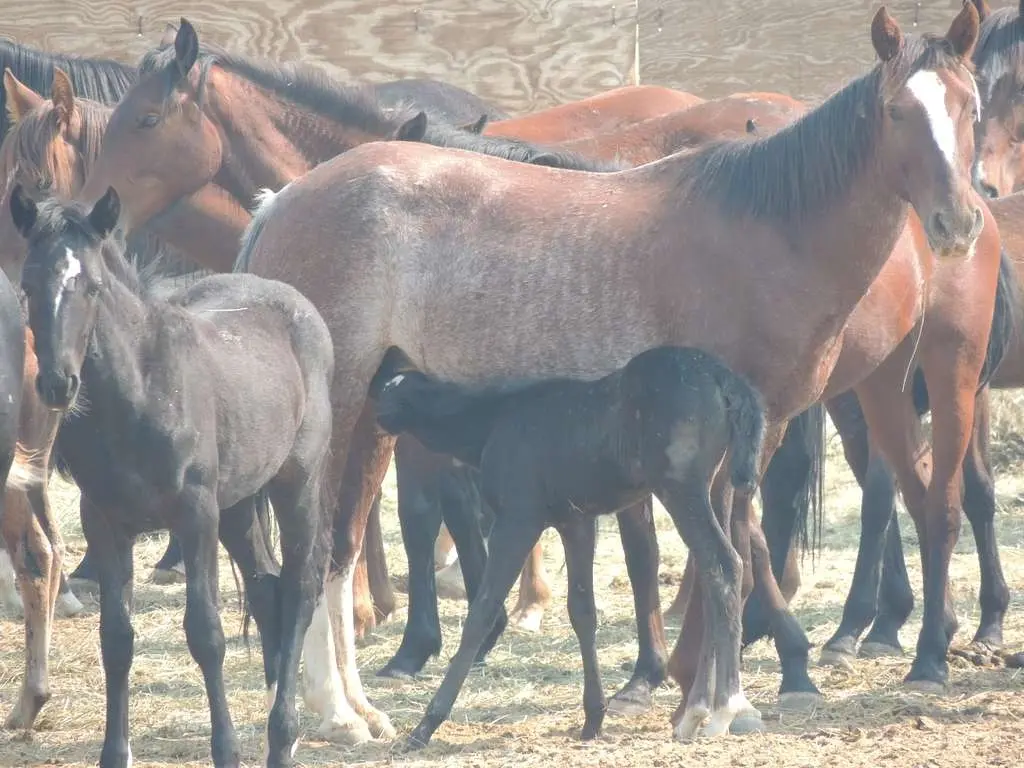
pixel 534 592
pixel 381 591
pixel 366 463
pixel 640 545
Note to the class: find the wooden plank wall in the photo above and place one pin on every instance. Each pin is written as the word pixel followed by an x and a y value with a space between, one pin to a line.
pixel 804 49
pixel 521 55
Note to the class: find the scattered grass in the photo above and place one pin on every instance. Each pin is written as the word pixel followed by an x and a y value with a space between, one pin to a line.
pixel 524 707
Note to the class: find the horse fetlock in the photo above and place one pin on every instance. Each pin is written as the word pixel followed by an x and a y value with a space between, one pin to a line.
pixel 692 719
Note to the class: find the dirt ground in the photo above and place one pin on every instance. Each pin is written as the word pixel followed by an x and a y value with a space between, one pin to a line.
pixel 524 707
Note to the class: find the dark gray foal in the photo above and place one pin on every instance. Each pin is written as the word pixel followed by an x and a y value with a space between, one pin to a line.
pixel 197 407
pixel 560 452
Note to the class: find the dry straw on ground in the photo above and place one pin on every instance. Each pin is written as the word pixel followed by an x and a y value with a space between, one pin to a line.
pixel 524 707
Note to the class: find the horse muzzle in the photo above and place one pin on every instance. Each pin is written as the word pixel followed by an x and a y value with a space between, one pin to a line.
pixel 57 390
pixel 952 234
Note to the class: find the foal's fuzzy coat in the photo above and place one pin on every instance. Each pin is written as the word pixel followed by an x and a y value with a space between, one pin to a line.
pixel 560 452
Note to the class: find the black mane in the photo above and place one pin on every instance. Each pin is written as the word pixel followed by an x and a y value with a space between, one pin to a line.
pixel 311 88
pixel 809 164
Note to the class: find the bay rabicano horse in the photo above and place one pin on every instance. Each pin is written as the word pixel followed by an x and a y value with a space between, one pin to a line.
pixel 819 207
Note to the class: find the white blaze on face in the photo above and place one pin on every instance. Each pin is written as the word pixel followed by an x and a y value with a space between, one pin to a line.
pixel 930 91
pixel 72 269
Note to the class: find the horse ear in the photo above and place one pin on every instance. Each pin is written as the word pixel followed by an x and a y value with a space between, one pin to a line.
pixel 886 35
pixel 963 32
pixel 23 210
pixel 19 98
pixel 104 215
pixel 63 96
pixel 476 127
pixel 169 35
pixel 413 129
pixel 186 47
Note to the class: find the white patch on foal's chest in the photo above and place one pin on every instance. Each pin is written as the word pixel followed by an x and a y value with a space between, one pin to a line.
pixel 930 91
pixel 72 269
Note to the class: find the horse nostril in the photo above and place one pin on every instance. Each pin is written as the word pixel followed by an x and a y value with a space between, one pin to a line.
pixel 979 222
pixel 939 225
pixel 988 190
pixel 71 382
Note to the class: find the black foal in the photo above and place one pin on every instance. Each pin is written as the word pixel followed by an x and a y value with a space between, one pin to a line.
pixel 198 406
pixel 558 453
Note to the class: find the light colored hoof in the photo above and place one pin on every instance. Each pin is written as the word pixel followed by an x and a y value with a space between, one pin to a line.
pixel 800 701
pixel 878 651
pixel 380 725
pixel 68 605
pixel 17 720
pixel 175 575
pixel 449 582
pixel 928 687
pixel 83 586
pixel 832 658
pixel 348 734
pixel 749 721
pixel 689 723
pixel 528 619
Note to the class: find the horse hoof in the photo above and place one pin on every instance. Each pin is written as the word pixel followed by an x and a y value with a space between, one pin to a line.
pixel 392 671
pixel 929 687
pixel 347 734
pixel 450 584
pixel 528 619
pixel 175 575
pixel 875 650
pixel 83 586
pixel 689 723
pixel 380 725
pixel 68 605
pixel 800 701
pixel 747 722
pixel 832 657
pixel 630 702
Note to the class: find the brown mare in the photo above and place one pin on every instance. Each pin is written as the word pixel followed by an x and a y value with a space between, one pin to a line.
pixel 819 206
pixel 1000 69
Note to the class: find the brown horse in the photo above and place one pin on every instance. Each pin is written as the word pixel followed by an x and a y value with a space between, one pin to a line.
pixel 999 61
pixel 818 207
pixel 604 113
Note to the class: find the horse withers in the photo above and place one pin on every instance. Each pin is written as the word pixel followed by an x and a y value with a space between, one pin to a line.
pixel 198 404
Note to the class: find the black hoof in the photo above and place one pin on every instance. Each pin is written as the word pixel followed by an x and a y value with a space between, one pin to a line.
pixel 927 675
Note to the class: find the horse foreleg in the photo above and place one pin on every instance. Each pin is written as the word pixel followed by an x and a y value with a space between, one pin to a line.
pixel 980 508
pixel 35 547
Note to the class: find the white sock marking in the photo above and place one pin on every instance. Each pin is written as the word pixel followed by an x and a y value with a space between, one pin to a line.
pixel 930 91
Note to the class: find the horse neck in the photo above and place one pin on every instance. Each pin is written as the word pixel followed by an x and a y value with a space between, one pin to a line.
pixel 268 141
pixel 206 226
pixel 113 370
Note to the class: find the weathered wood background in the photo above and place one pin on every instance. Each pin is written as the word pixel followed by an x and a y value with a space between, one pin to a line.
pixel 521 55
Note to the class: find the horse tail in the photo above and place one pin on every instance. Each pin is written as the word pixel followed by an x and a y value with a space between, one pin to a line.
pixel 265 200
pixel 1007 315
pixel 802 455
pixel 28 469
pixel 745 411
pixel 1006 318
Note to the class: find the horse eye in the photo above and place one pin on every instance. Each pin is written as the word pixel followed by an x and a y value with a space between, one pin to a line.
pixel 92 289
pixel 895 112
pixel 43 184
pixel 149 120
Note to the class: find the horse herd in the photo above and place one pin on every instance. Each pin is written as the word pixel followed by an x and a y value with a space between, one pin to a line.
pixel 543 318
